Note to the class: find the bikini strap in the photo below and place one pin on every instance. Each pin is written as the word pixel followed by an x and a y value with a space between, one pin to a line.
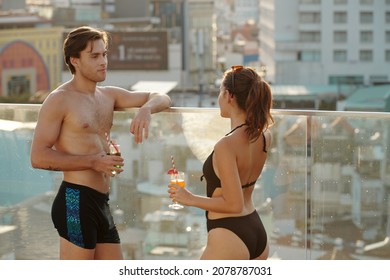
pixel 249 184
pixel 265 143
pixel 237 127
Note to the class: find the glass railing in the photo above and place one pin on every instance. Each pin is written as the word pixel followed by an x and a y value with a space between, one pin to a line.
pixel 324 192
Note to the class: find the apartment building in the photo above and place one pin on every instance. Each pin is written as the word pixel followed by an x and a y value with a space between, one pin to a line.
pixel 192 23
pixel 245 10
pixel 325 41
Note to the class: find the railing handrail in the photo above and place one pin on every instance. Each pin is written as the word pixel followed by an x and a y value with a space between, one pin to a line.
pixel 365 114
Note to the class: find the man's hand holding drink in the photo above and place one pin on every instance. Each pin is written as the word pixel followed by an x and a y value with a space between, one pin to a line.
pixel 114 150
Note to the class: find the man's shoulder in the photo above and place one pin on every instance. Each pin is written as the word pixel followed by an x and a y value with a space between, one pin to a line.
pixel 57 93
pixel 110 89
pixel 57 96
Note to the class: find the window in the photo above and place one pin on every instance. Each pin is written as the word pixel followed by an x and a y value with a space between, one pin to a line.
pixel 387 55
pixel 310 36
pixel 309 55
pixel 18 85
pixel 340 56
pixel 366 37
pixel 340 36
pixel 307 17
pixel 387 2
pixel 366 17
pixel 340 2
pixel 366 2
pixel 310 1
pixel 344 80
pixel 387 36
pixel 340 17
pixel 371 197
pixel 366 55
pixel 378 79
pixel 329 186
pixel 346 186
pixel 387 17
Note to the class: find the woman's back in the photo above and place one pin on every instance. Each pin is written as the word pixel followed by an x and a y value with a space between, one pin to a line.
pixel 250 159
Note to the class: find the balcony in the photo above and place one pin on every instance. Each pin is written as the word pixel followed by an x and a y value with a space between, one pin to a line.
pixel 324 192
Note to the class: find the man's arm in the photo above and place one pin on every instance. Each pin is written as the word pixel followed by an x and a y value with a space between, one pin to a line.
pixel 47 131
pixel 147 102
pixel 48 128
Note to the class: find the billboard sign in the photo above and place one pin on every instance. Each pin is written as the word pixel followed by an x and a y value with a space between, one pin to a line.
pixel 138 50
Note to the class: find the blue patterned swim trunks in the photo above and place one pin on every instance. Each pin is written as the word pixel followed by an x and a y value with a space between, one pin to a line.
pixel 82 216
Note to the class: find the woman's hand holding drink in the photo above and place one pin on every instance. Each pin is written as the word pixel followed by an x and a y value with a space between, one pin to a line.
pixel 176 178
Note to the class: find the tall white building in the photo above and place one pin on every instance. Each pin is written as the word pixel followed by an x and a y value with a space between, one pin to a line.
pixel 325 41
pixel 244 10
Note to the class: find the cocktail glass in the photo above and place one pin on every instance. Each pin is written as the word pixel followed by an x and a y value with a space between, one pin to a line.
pixel 176 178
pixel 114 150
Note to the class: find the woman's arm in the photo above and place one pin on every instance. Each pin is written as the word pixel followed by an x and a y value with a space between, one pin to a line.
pixel 231 199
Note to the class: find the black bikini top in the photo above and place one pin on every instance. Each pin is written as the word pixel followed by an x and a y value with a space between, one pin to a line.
pixel 212 179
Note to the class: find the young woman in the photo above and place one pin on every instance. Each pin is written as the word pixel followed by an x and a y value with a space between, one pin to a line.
pixel 235 230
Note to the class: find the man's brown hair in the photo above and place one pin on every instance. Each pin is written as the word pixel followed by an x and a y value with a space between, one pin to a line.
pixel 77 40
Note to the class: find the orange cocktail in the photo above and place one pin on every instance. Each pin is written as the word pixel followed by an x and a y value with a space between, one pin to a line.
pixel 179 182
pixel 177 178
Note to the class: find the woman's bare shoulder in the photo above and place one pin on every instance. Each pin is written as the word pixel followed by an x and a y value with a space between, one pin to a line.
pixel 227 144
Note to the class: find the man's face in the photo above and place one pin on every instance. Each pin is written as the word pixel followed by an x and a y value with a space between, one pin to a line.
pixel 92 63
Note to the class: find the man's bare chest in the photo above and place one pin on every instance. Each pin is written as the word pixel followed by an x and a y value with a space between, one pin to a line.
pixel 91 118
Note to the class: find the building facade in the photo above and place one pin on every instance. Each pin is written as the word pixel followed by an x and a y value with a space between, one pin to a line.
pixel 193 23
pixel 30 60
pixel 325 42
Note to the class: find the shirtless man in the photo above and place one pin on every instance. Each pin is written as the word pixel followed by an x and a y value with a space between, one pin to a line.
pixel 71 136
